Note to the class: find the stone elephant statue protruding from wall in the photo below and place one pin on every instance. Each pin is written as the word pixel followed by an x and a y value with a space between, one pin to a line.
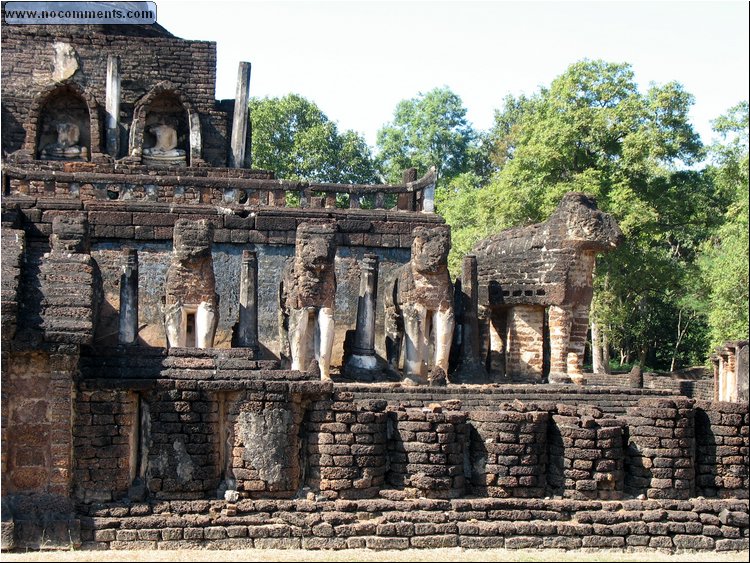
pixel 525 270
pixel 191 312
pixel 307 296
pixel 420 304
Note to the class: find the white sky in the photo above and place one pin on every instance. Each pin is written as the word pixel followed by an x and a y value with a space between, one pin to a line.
pixel 357 59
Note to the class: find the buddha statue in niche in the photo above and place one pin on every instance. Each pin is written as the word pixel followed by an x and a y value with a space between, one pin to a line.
pixel 165 149
pixel 67 146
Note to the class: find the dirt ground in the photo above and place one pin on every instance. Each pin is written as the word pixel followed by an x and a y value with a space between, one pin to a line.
pixel 432 555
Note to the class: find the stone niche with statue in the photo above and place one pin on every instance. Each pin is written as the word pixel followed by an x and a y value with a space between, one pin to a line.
pixel 196 353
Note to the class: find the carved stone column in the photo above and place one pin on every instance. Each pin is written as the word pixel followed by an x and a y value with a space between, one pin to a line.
pixel 113 106
pixel 247 335
pixel 128 332
pixel 471 368
pixel 363 350
pixel 239 156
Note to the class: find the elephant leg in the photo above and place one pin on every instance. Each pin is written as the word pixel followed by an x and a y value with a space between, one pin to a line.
pixel 324 341
pixel 173 322
pixel 415 323
pixel 577 343
pixel 299 319
pixel 394 336
pixel 205 325
pixel 560 320
pixel 443 325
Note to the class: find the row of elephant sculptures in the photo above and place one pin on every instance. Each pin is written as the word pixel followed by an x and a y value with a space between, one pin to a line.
pixel 557 259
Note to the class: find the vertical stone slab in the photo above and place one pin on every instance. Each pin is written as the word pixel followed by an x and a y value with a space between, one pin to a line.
pixel 128 328
pixel 660 457
pixel 525 343
pixel 406 200
pixel 364 340
pixel 240 157
pixel 247 335
pixel 428 199
pixel 113 106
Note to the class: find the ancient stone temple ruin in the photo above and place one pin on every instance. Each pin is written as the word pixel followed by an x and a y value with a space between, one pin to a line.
pixel 189 360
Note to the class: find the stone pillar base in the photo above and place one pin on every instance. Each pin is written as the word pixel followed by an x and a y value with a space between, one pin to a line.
pixel 564 378
pixel 368 367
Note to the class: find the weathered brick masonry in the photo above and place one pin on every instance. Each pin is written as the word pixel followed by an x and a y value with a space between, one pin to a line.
pixel 110 443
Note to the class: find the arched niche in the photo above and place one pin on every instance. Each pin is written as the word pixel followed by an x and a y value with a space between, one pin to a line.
pixel 59 115
pixel 165 105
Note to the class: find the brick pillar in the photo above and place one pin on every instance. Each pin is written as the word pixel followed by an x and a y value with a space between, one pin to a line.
pixel 265 433
pixel 660 459
pixel 721 450
pixel 508 453
pixel 346 448
pixel 586 454
pixel 426 453
pixel 525 342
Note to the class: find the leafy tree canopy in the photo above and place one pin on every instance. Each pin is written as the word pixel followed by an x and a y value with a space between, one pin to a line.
pixel 723 262
pixel 293 137
pixel 592 130
pixel 429 130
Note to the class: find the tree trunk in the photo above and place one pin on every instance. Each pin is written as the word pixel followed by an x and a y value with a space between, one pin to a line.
pixel 605 353
pixel 642 352
pixel 681 330
pixel 596 349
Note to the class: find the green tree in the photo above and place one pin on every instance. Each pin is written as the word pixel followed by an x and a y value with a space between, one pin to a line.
pixel 724 260
pixel 293 137
pixel 593 131
pixel 429 130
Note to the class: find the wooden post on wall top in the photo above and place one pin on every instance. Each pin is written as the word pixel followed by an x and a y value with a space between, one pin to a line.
pixel 240 157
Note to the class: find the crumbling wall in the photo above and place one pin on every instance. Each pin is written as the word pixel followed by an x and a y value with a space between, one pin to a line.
pixel 37 391
pixel 13 254
pixel 426 450
pixel 508 451
pixel 105 443
pixel 144 62
pixel 182 442
pixel 586 457
pixel 722 436
pixel 264 425
pixel 346 448
pixel 661 448
pixel 517 524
